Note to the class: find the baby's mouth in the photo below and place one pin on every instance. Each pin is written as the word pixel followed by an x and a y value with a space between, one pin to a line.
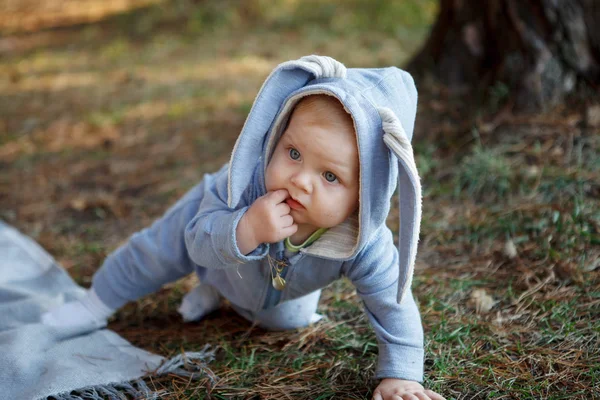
pixel 294 205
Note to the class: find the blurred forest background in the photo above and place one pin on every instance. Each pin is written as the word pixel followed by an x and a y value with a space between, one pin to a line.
pixel 110 110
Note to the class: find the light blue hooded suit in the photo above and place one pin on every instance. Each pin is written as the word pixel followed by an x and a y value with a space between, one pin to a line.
pixel 198 232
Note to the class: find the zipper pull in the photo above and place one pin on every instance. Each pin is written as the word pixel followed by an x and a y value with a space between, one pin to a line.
pixel 278 282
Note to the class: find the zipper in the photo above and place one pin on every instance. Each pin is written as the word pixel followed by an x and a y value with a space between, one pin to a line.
pixel 273 295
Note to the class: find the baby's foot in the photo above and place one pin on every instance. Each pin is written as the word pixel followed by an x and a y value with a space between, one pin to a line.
pixel 200 301
pixel 87 312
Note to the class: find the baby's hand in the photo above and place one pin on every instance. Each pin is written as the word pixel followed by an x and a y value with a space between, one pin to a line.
pixel 268 220
pixel 396 389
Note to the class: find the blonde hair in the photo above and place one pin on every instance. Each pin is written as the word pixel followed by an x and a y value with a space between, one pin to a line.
pixel 324 107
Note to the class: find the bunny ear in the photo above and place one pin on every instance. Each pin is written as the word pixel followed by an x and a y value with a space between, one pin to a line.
pixel 319 66
pixel 409 196
pixel 283 80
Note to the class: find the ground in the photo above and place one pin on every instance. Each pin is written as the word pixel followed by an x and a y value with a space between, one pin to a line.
pixel 104 124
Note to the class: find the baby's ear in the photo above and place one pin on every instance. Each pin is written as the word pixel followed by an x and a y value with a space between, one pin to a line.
pixel 409 196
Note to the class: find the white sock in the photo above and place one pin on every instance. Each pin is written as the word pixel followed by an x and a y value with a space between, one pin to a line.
pixel 316 318
pixel 88 311
pixel 96 306
pixel 198 302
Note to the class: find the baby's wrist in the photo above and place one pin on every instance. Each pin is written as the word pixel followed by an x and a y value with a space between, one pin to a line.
pixel 399 382
pixel 245 235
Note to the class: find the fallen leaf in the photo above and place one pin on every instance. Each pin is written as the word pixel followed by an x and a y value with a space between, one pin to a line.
pixel 592 266
pixel 510 249
pixel 482 301
pixel 101 200
pixel 593 115
pixel 78 204
pixel 532 171
pixel 568 272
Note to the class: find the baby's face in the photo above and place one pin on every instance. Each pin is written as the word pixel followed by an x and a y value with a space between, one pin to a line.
pixel 317 163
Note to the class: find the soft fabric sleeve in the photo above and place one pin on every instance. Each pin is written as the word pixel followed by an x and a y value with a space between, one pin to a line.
pixel 210 236
pixel 374 273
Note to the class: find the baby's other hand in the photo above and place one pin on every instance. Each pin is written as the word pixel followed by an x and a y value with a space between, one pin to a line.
pixel 400 389
pixel 270 217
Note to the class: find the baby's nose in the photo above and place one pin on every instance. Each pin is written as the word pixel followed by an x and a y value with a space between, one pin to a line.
pixel 302 181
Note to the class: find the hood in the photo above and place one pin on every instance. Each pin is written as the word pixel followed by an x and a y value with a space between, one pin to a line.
pixel 383 104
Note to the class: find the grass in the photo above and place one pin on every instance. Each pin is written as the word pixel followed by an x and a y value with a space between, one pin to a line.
pixel 484 172
pixel 91 108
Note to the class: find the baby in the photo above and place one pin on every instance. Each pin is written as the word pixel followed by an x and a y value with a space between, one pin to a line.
pixel 302 203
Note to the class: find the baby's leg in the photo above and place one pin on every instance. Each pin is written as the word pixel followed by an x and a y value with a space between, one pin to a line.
pixel 151 257
pixel 292 314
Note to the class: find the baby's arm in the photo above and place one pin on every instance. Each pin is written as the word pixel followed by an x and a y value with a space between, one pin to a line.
pixel 218 237
pixel 397 327
pixel 212 236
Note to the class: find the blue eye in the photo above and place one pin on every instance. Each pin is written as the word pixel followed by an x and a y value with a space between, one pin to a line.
pixel 330 176
pixel 294 154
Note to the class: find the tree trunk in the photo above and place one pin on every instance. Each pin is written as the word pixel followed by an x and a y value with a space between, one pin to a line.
pixel 541 50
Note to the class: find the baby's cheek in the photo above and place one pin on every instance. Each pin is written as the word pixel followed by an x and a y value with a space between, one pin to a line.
pixel 270 179
pixel 343 207
pixel 331 215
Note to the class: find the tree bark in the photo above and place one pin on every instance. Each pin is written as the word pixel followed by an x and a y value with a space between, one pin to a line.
pixel 540 50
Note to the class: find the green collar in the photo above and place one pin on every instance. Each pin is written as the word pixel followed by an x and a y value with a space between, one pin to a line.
pixel 294 249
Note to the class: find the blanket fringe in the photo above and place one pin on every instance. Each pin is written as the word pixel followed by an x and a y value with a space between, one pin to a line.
pixel 194 370
pixel 112 391
pixel 192 365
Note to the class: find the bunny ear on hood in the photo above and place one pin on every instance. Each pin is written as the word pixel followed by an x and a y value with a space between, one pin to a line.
pixel 383 104
pixel 409 195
